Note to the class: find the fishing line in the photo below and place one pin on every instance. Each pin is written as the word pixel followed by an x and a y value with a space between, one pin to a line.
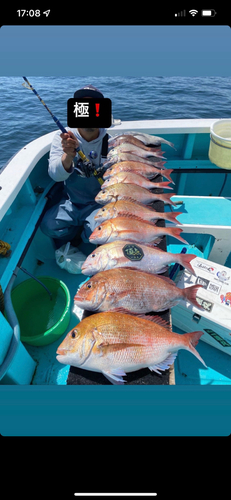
pixel 223 185
pixel 28 85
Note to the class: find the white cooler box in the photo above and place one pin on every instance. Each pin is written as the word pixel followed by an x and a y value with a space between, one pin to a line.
pixel 215 298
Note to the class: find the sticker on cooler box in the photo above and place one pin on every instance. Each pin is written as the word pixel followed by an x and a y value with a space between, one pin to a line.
pixel 202 281
pixel 226 299
pixel 207 306
pixel 217 337
pixel 205 267
pixel 209 285
pixel 213 287
pixel 222 276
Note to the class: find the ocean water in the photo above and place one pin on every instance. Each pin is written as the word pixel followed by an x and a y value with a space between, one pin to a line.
pixel 23 117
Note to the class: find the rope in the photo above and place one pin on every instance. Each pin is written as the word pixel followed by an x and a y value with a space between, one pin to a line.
pixel 4 248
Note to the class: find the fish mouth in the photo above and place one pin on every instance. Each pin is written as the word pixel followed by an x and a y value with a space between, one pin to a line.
pixel 92 238
pixel 79 300
pixel 85 304
pixel 98 199
pixel 61 351
pixel 86 271
pixel 84 268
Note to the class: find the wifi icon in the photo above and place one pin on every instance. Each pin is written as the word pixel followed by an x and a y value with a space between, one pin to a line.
pixel 193 12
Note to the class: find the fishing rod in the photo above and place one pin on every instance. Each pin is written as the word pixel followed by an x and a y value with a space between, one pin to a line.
pixel 28 85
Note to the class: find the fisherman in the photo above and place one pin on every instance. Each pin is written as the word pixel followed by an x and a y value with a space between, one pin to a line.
pixel 72 218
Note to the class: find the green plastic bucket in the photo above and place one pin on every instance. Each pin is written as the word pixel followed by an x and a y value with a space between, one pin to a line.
pixel 41 320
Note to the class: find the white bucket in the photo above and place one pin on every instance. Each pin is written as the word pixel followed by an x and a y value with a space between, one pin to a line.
pixel 220 144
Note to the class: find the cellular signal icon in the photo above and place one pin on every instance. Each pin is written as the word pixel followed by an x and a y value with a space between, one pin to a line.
pixel 182 13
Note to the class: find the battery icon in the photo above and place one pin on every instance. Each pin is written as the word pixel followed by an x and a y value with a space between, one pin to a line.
pixel 208 13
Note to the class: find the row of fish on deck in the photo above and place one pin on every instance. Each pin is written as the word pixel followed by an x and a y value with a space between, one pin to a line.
pixel 125 284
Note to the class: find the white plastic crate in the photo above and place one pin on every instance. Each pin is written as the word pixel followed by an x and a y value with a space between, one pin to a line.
pixel 215 298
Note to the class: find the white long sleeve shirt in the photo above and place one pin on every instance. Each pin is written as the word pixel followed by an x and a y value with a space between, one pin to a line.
pixel 56 169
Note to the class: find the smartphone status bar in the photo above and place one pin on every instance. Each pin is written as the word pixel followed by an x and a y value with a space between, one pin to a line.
pixel 55 15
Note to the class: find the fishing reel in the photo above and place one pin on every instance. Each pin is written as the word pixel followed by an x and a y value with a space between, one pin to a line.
pixel 85 168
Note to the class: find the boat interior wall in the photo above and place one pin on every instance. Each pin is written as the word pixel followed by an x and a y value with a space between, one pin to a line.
pixel 201 184
pixel 19 221
pixel 17 171
pixel 161 127
pixel 198 244
pixel 206 224
pixel 189 159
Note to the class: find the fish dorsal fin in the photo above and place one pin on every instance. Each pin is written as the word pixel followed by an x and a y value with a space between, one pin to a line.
pixel 168 280
pixel 130 186
pixel 156 319
pixel 143 205
pixel 141 271
pixel 136 217
pixel 153 244
pixel 123 310
pixel 134 200
pixel 128 198
pixel 137 175
pixel 124 213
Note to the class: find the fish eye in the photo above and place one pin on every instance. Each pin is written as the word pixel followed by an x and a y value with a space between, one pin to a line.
pixel 103 209
pixel 74 333
pixel 93 255
pixel 99 228
pixel 89 285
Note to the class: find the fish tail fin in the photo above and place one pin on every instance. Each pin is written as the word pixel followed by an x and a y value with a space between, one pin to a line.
pixel 152 156
pixel 167 173
pixel 159 164
pixel 175 232
pixel 170 144
pixel 164 185
pixel 190 341
pixel 172 216
pixel 166 198
pixel 185 261
pixel 190 293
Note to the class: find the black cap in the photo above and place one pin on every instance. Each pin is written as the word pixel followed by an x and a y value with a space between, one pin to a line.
pixel 88 91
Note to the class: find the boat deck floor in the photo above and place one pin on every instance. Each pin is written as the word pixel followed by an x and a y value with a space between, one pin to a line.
pixel 202 210
pixel 187 369
pixel 49 371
